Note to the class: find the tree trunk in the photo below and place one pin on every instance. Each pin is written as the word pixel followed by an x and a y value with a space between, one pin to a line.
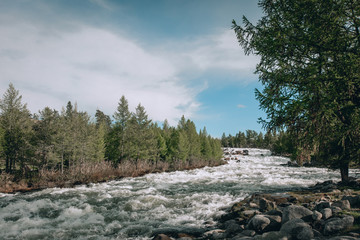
pixel 344 170
pixel 8 165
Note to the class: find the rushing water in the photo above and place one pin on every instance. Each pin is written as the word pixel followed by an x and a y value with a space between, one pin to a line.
pixel 133 208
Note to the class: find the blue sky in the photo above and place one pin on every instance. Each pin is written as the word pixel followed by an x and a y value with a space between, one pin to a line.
pixel 175 57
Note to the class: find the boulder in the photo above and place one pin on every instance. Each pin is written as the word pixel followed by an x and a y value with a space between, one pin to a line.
pixel 294 211
pixel 266 205
pixel 215 234
pixel 253 205
pixel 232 229
pixel 161 237
pixel 297 229
pixel 275 223
pixel 316 216
pixel 249 233
pixel 336 210
pixel 292 164
pixel 343 204
pixel 246 234
pixel 320 206
pixel 343 238
pixel 274 212
pixel 326 213
pixel 272 236
pixel 353 200
pixel 258 223
pixel 240 237
pixel 249 213
pixel 335 225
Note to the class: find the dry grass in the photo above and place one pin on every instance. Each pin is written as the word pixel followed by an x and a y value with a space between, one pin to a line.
pixel 84 173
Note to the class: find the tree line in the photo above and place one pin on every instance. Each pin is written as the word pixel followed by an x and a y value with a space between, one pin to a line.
pixel 62 140
pixel 309 67
pixel 279 143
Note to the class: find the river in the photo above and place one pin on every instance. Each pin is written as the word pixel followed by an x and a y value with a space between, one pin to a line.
pixel 132 208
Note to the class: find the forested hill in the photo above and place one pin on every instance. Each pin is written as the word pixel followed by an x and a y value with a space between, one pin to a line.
pixel 69 141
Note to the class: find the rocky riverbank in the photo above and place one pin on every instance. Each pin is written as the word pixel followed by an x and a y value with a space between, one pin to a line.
pixel 328 210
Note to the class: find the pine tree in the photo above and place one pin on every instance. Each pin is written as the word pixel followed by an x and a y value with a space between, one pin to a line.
pixel 122 118
pixel 140 141
pixel 206 151
pixel 193 139
pixel 309 66
pixel 15 119
pixel 46 128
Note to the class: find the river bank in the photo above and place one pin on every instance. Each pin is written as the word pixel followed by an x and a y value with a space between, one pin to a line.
pixel 327 210
pixel 93 173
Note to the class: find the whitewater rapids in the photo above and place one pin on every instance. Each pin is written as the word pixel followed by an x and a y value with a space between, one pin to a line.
pixel 132 208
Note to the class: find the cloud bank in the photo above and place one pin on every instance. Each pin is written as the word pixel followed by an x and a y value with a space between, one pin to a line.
pixel 95 66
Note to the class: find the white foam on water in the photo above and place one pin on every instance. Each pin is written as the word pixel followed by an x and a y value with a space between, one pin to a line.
pixel 132 208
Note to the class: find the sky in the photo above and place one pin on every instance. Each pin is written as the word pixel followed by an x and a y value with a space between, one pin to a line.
pixel 175 57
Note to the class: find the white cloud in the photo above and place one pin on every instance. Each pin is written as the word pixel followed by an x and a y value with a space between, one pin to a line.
pixel 93 67
pixel 241 106
pixel 219 52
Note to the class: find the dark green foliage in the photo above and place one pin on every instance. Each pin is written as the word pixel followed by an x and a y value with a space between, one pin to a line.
pixel 46 129
pixel 102 120
pixel 69 139
pixel 16 123
pixel 310 58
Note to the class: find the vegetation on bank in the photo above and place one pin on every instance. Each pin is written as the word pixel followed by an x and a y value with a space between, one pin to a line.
pixel 309 67
pixel 278 142
pixel 55 148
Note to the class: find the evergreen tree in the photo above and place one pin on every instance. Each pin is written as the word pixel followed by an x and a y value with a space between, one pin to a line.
pixel 310 57
pixel 193 140
pixel 116 139
pixel 139 137
pixel 205 150
pixel 46 129
pixel 15 120
pixel 224 140
pixel 102 119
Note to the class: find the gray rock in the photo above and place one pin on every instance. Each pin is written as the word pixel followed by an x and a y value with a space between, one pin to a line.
pixel 354 234
pixel 161 237
pixel 272 236
pixel 343 204
pixel 275 223
pixel 249 213
pixel 326 213
pixel 249 233
pixel 246 233
pixel 266 205
pixel 354 201
pixel 232 229
pixel 336 210
pixel 240 237
pixel 215 234
pixel 343 238
pixel 335 225
pixel 229 222
pixel 316 216
pixel 320 206
pixel 258 223
pixel 274 212
pixel 294 211
pixel 317 234
pixel 297 229
pixel 253 205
